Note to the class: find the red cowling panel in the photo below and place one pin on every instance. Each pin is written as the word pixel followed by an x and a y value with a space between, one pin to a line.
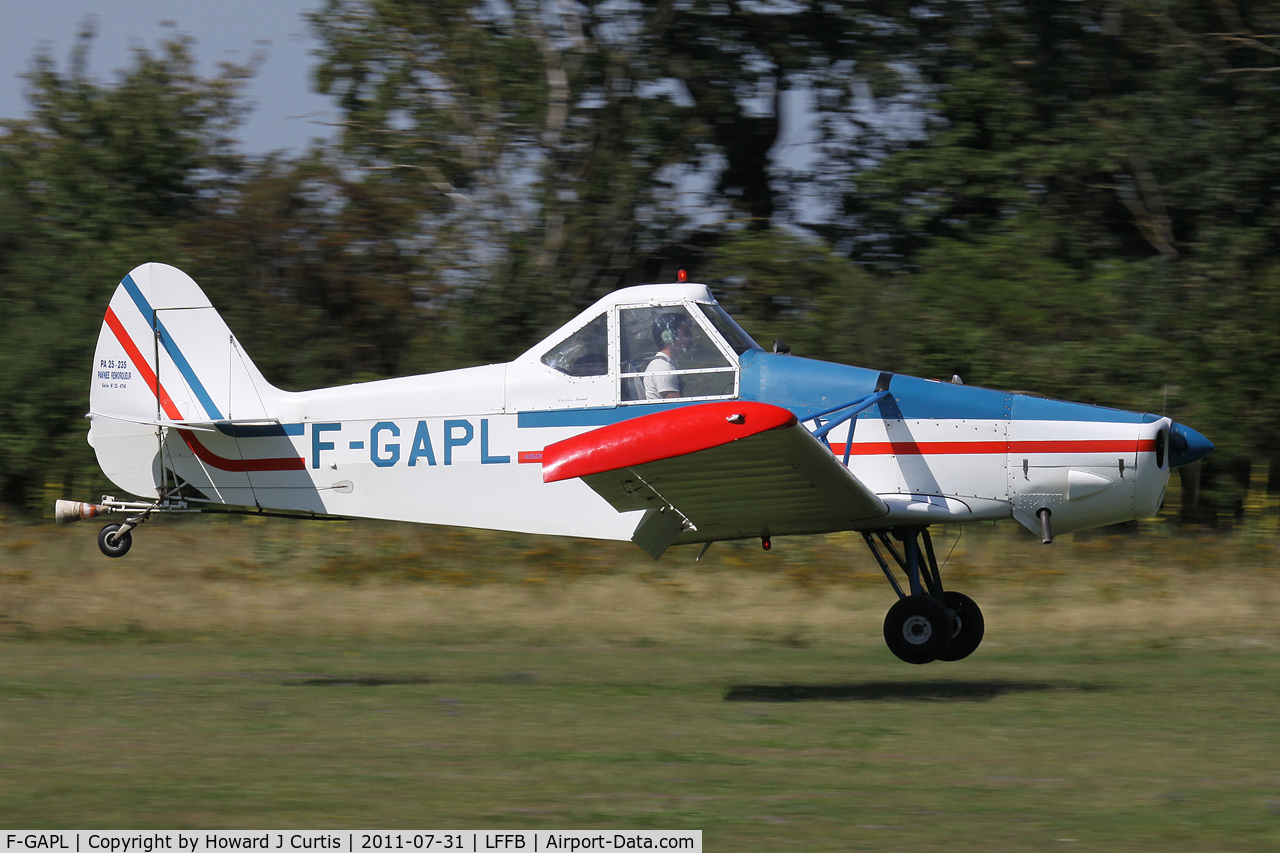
pixel 662 435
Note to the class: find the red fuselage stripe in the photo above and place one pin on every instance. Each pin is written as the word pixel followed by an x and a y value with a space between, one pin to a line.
pixel 202 453
pixel 956 448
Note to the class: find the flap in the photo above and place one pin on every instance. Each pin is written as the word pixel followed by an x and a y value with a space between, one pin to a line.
pixel 733 470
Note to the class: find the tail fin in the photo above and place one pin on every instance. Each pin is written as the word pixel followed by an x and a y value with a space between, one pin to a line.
pixel 166 363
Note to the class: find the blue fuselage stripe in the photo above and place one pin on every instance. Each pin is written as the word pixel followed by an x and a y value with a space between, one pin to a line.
pixel 260 430
pixel 591 417
pixel 808 387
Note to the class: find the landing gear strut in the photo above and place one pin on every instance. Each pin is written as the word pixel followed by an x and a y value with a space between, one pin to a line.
pixel 115 540
pixel 926 624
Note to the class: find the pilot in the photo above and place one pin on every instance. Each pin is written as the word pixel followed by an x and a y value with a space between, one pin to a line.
pixel 672 336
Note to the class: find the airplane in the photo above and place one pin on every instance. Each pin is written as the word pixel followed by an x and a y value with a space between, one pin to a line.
pixel 651 416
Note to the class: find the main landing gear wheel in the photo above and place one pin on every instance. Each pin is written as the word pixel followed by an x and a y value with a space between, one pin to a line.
pixel 918 629
pixel 927 623
pixel 114 545
pixel 967 626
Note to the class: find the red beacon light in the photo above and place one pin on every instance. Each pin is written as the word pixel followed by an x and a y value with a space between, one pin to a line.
pixel 682 276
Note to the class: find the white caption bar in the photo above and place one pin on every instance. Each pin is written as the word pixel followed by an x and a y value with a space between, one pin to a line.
pixel 348 841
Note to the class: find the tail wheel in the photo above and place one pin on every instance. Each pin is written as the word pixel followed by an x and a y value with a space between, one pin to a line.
pixel 918 629
pixel 112 543
pixel 967 626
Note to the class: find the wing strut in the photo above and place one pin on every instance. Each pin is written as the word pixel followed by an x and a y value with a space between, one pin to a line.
pixel 848 411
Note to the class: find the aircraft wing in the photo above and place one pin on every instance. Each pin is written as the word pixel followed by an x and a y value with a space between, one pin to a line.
pixel 715 471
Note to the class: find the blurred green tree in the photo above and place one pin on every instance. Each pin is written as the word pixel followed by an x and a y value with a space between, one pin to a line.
pixel 1071 198
pixel 319 269
pixel 97 180
pixel 562 150
pixel 1087 205
pixel 781 286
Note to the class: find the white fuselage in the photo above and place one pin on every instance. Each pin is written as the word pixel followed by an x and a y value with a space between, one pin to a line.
pixel 189 415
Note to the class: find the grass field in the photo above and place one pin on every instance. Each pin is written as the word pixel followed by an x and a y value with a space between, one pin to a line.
pixel 277 675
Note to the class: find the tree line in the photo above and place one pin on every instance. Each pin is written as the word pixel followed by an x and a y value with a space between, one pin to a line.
pixel 1077 198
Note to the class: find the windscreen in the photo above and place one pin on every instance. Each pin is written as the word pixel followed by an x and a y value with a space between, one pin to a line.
pixel 734 335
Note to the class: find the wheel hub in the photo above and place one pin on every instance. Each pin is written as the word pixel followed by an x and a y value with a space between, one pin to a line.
pixel 917 630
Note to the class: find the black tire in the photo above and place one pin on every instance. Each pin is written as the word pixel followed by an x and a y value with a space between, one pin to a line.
pixel 117 547
pixel 918 629
pixel 967 627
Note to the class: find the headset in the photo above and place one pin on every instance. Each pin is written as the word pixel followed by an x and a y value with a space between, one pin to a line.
pixel 666 328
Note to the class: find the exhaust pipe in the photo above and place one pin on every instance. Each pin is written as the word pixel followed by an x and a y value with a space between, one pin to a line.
pixel 65 512
pixel 1046 531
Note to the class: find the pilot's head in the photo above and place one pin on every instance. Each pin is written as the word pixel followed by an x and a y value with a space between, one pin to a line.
pixel 671 331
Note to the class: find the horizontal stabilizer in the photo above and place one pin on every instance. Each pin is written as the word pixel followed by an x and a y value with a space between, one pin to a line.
pixel 252 426
pixel 196 425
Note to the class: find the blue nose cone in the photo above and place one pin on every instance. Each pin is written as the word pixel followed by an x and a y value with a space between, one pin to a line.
pixel 1186 446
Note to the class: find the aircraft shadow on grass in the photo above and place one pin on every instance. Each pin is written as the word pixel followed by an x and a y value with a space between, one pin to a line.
pixel 359 680
pixel 887 691
pixel 973 690
pixel 354 681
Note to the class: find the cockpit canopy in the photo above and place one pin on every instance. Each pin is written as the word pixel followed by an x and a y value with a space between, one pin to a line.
pixel 656 342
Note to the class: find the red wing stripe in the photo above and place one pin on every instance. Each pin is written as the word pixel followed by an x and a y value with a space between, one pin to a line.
pixel 956 448
pixel 204 454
